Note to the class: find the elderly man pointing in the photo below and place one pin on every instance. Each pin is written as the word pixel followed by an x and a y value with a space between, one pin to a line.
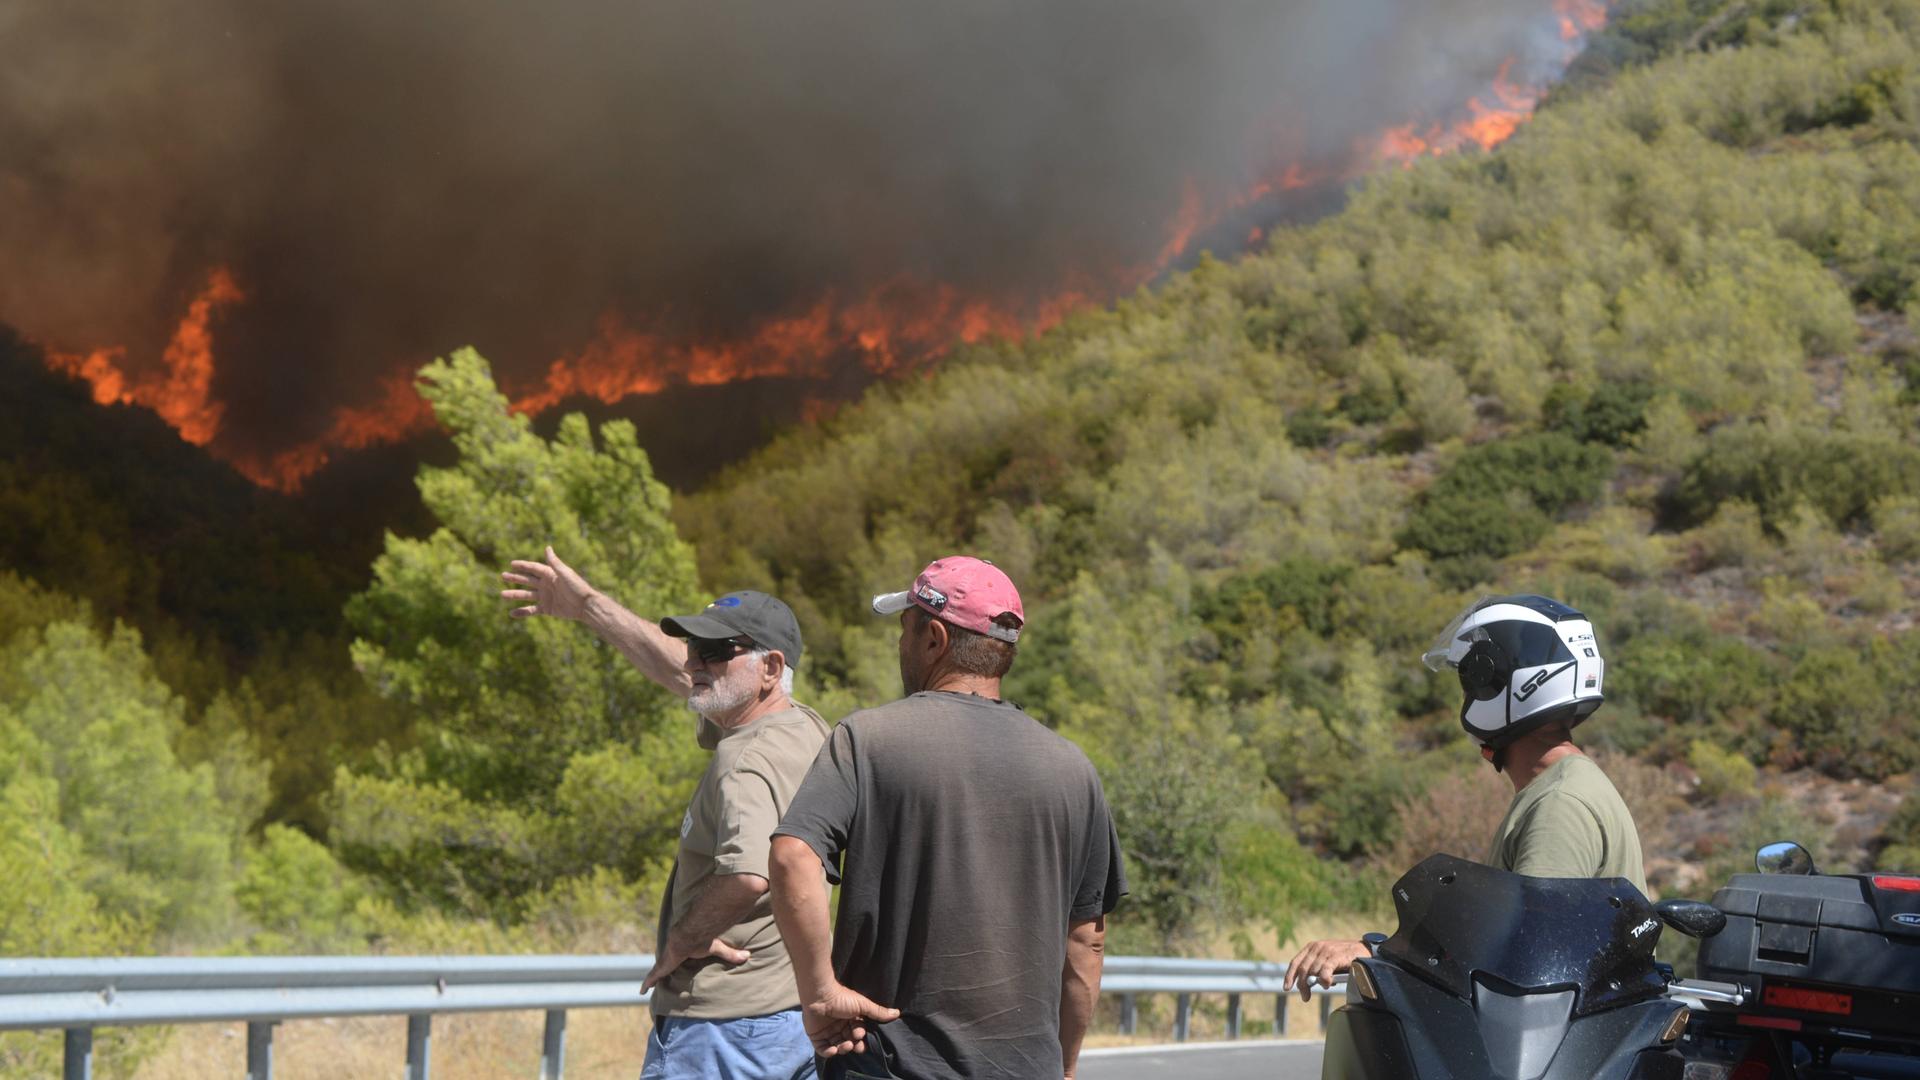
pixel 724 1002
pixel 976 858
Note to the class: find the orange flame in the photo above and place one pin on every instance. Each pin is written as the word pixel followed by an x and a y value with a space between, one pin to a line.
pixel 399 413
pixel 1188 220
pixel 182 394
pixel 1579 17
pixel 895 326
pixel 1486 125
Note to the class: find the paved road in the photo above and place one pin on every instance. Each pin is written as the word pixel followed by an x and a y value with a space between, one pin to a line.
pixel 1293 1059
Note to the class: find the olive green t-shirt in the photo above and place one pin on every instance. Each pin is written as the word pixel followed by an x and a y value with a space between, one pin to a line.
pixel 728 829
pixel 1569 822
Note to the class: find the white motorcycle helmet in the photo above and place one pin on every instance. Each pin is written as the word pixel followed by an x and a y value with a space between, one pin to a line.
pixel 1523 661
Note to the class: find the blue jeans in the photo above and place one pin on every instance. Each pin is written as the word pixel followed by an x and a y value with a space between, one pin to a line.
pixel 773 1047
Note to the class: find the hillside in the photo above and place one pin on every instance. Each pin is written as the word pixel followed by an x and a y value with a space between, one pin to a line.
pixel 1654 356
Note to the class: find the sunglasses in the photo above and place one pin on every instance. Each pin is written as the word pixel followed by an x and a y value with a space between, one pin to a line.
pixel 715 651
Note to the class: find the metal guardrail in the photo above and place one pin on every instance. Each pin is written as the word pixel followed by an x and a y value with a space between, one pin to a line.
pixel 1131 976
pixel 78 996
pixel 81 995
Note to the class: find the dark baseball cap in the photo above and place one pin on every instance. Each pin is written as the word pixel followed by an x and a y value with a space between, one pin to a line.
pixel 756 616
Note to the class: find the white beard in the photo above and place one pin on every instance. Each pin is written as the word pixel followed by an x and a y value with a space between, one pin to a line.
pixel 723 697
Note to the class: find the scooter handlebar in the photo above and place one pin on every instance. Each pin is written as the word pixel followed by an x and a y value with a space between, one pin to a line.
pixel 1718 993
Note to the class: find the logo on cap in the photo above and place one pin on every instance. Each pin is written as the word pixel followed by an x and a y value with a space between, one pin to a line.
pixel 726 601
pixel 930 596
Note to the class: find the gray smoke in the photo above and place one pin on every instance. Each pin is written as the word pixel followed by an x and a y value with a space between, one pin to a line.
pixel 392 178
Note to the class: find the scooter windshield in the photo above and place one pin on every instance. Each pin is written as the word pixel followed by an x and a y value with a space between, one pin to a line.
pixel 1461 921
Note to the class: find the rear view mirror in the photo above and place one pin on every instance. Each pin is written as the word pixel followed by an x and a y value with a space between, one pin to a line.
pixel 1692 917
pixel 1784 857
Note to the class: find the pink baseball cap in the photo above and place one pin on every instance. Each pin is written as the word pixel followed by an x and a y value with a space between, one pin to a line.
pixel 972 594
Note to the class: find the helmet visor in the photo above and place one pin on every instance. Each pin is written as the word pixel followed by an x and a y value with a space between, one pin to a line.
pixel 1450 646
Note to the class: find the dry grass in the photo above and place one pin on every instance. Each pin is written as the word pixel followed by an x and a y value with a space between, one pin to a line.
pixel 602 1044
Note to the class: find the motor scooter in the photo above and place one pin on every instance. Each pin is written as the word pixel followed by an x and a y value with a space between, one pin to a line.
pixel 1828 967
pixel 1496 976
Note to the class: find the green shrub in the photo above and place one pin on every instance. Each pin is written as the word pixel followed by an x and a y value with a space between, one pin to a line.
pixel 1722 772
pixel 1437 401
pixel 1896 527
pixel 1295 594
pixel 1371 403
pixel 1844 709
pixel 155 844
pixel 1900 841
pixel 1839 473
pixel 298 896
pixel 1176 801
pixel 1691 677
pixel 1616 542
pixel 1309 428
pixel 1501 497
pixel 1734 536
pixel 1610 413
pixel 1811 547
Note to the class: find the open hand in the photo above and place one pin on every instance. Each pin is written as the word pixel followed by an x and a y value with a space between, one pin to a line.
pixel 837 1021
pixel 552 586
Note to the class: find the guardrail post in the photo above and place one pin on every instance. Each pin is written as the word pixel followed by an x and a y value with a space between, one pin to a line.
pixel 1129 1014
pixel 419 1032
pixel 1182 1017
pixel 1280 1015
pixel 78 1063
pixel 260 1050
pixel 553 1044
pixel 1233 1016
pixel 1326 1008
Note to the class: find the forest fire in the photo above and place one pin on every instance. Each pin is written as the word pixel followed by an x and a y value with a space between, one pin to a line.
pixel 1486 126
pixel 894 327
pixel 1580 17
pixel 180 393
pixel 903 323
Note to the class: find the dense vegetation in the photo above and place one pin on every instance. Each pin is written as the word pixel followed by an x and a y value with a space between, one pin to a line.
pixel 1655 356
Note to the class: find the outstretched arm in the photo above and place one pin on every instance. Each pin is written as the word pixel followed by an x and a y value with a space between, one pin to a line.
pixel 836 1018
pixel 1080 986
pixel 551 587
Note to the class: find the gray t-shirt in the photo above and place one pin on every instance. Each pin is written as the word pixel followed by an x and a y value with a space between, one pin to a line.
pixel 972 837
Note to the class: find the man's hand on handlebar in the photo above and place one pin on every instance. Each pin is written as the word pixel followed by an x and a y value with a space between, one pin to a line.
pixel 1321 961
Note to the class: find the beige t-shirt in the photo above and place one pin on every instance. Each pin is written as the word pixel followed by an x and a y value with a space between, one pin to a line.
pixel 1569 823
pixel 728 829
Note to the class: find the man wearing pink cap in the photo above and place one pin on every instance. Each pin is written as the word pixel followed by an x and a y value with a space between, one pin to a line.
pixel 975 855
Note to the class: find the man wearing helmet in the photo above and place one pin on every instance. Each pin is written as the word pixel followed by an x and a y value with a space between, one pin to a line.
pixel 1530 670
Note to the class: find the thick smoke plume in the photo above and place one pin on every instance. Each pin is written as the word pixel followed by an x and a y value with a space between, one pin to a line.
pixel 386 181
